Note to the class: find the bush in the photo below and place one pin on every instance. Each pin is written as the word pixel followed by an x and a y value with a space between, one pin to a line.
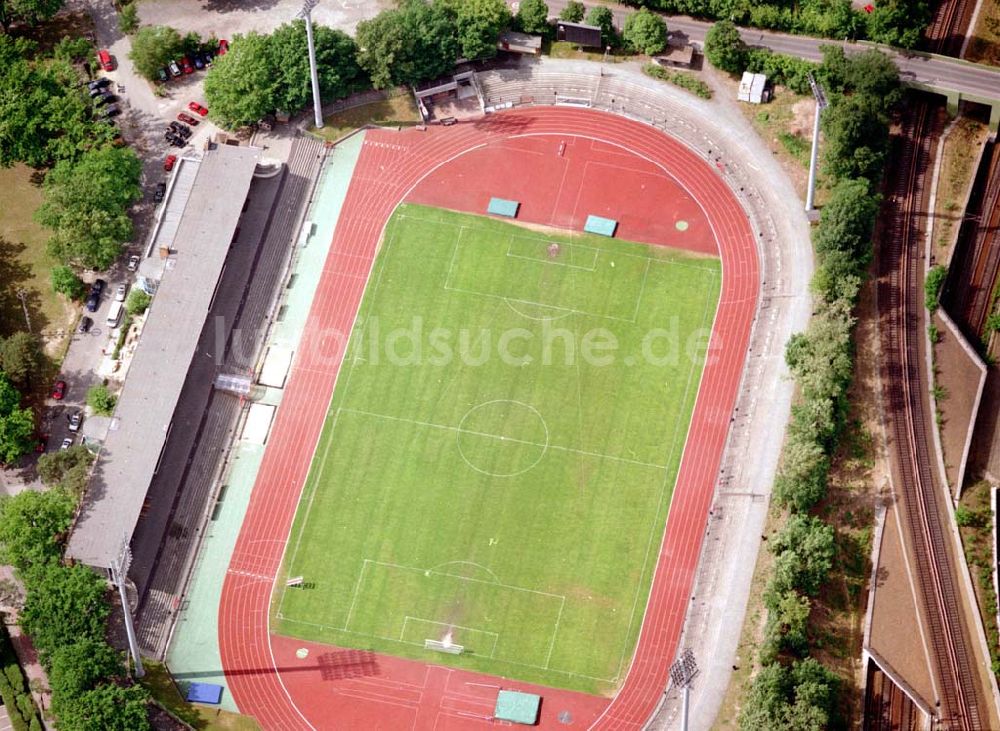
pixel 686 81
pixel 602 17
pixel 533 17
pixel 101 400
pixel 137 302
pixel 932 287
pixel 65 281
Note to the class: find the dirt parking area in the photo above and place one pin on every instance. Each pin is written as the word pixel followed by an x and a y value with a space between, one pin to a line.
pixel 226 18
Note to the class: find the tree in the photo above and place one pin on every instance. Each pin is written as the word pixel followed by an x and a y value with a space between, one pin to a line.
pixel 645 32
pixel 22 103
pixel 847 220
pixel 65 281
pixel 79 667
pixel 101 400
pixel 153 47
pixel 479 22
pixel 602 17
pixel 29 12
pixel 17 425
pixel 898 23
pixel 807 544
pixel 573 12
pixel 857 137
pixel 766 701
pixel 239 87
pixel 86 204
pixel 65 604
pixel 109 708
pixel 410 44
pixel 724 48
pixel 128 19
pixel 336 61
pixel 31 526
pixel 137 302
pixel 19 357
pixel 533 17
pixel 787 621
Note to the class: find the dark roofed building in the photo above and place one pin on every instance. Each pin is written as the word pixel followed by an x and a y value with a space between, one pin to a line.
pixel 579 33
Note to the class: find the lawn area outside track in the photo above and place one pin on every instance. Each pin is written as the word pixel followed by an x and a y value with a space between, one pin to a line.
pixel 498 459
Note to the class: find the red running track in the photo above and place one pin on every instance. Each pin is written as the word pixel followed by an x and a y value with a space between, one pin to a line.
pixel 349 689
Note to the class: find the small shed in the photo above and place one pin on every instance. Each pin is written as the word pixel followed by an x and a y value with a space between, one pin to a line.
pixel 588 36
pixel 753 88
pixel 679 56
pixel 514 42
pixel 517 707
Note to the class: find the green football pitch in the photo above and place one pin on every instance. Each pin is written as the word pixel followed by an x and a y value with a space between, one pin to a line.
pixel 501 448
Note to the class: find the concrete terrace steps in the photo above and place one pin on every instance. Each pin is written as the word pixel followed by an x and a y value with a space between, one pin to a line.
pixel 168 582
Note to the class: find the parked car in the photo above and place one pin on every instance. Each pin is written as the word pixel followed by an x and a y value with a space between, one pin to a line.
pixel 187 119
pixel 163 74
pixel 104 98
pixel 198 61
pixel 223 47
pixel 85 324
pixel 133 261
pixel 75 420
pixel 98 287
pixel 93 302
pixel 174 69
pixel 182 129
pixel 59 390
pixel 196 107
pixel 99 83
pixel 174 139
pixel 111 110
pixel 168 164
pixel 161 191
pixel 122 289
pixel 209 55
pixel 186 66
pixel 66 443
pixel 106 59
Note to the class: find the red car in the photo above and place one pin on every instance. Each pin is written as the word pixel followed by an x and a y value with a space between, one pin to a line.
pixel 187 119
pixel 186 66
pixel 168 164
pixel 223 47
pixel 196 107
pixel 107 62
pixel 59 390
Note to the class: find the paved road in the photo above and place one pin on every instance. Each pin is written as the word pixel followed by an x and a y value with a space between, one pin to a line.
pixel 938 71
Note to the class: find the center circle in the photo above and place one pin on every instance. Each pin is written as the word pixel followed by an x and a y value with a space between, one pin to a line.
pixel 502 438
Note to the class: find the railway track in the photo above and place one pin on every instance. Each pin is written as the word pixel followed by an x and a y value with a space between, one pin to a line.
pixel 887 707
pixel 968 293
pixel 946 32
pixel 900 301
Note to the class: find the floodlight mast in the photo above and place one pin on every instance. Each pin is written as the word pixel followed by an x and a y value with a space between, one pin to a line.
pixel 306 15
pixel 119 575
pixel 821 103
pixel 682 674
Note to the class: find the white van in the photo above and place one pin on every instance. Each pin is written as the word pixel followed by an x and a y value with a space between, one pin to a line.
pixel 115 314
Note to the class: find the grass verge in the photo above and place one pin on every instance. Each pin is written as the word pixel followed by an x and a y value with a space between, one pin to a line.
pixel 163 689
pixel 395 111
pixel 975 524
pixel 958 159
pixel 984 46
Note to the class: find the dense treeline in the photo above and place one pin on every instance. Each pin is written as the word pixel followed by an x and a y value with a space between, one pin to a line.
pixel 792 690
pixel 895 22
pixel 65 608
pixel 13 691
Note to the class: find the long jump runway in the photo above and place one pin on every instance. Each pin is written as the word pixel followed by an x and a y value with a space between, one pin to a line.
pixel 603 160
